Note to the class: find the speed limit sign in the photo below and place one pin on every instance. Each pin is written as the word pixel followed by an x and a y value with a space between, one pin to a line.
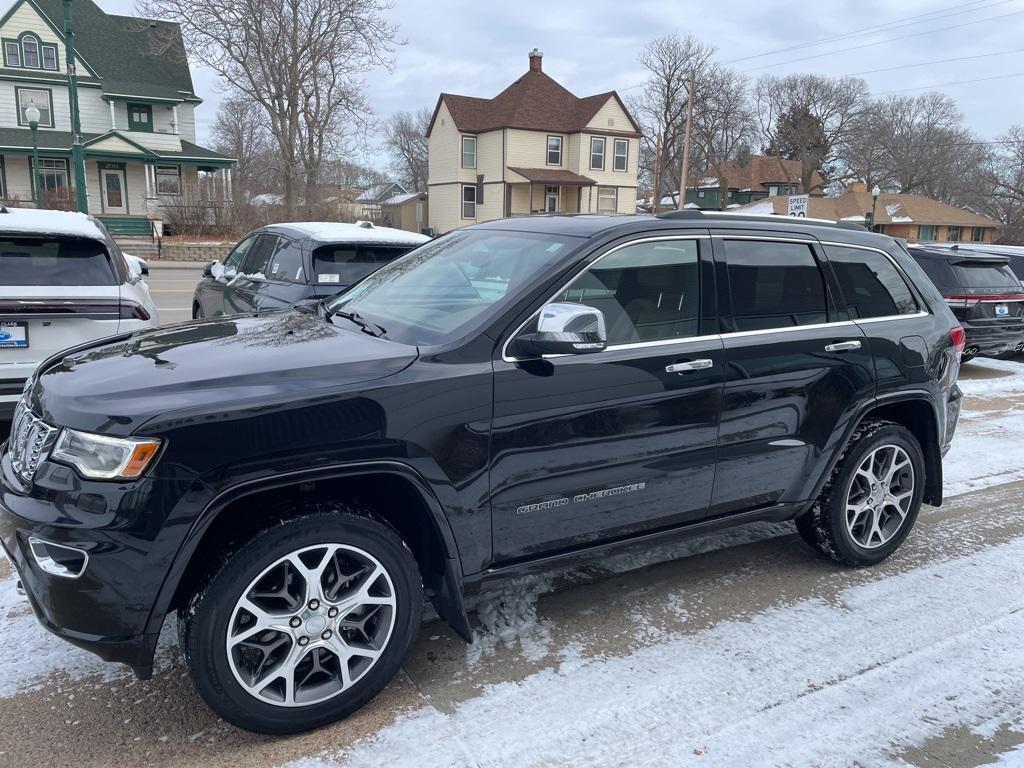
pixel 798 205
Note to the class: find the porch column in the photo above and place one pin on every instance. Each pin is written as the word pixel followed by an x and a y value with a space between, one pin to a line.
pixel 231 185
pixel 145 168
pixel 224 181
pixel 174 111
pixel 113 115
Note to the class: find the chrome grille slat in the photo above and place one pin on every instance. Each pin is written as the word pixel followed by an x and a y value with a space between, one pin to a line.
pixel 31 439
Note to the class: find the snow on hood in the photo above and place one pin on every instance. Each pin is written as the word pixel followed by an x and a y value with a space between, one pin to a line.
pixel 357 233
pixel 36 222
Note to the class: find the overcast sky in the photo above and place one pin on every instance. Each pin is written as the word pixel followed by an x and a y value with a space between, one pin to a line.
pixel 592 46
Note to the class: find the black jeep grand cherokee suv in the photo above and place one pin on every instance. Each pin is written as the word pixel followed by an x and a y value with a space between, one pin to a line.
pixel 505 397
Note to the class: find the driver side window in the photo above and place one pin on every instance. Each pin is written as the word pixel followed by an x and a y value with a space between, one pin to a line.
pixel 647 291
pixel 234 259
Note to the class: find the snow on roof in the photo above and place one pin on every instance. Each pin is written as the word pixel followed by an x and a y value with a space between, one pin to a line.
pixel 900 219
pixel 358 233
pixel 33 221
pixel 853 218
pixel 399 199
pixel 708 181
pixel 691 205
pixel 764 207
pixel 893 208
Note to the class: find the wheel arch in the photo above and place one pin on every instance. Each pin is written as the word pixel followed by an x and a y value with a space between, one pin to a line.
pixel 219 525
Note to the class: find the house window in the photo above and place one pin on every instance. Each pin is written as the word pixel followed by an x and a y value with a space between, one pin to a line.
pixel 607 199
pixel 53 173
pixel 140 117
pixel 596 153
pixel 50 57
pixel 30 52
pixel 621 159
pixel 469 202
pixel 41 98
pixel 12 54
pixel 469 151
pixel 554 150
pixel 926 232
pixel 700 193
pixel 978 235
pixel 551 197
pixel 954 234
pixel 773 190
pixel 168 180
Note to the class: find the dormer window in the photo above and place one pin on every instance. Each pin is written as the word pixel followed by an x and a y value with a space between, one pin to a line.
pixel 29 53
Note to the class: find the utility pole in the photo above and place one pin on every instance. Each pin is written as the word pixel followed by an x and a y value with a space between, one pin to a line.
pixel 656 194
pixel 684 177
pixel 77 150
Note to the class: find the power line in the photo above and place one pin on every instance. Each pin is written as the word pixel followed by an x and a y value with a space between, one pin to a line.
pixel 929 63
pixel 945 85
pixel 886 27
pixel 887 40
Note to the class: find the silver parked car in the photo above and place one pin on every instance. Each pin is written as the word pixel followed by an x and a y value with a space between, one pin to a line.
pixel 63 281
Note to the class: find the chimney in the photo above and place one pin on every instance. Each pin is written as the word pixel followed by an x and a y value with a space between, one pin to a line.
pixel 535 60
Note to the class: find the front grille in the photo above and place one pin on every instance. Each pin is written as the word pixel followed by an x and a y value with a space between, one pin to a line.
pixel 31 440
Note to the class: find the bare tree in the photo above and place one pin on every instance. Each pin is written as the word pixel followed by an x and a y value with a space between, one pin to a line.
pixel 810 118
pixel 241 132
pixel 300 60
pixel 724 122
pixel 1004 197
pixel 661 107
pixel 405 138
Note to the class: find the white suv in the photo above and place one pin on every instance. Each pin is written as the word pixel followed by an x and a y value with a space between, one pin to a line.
pixel 63 281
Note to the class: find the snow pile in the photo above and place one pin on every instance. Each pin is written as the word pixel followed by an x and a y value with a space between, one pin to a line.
pixel 508 616
pixel 32 221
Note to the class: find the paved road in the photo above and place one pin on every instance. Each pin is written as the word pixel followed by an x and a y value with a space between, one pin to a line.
pixel 749 642
pixel 171 286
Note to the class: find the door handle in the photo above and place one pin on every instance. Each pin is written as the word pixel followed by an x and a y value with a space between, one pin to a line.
pixel 689 365
pixel 843 346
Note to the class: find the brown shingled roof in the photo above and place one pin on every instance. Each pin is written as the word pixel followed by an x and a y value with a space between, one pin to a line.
pixel 760 171
pixel 534 102
pixel 553 176
pixel 891 209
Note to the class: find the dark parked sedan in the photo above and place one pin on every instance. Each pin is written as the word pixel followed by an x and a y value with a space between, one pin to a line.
pixel 282 264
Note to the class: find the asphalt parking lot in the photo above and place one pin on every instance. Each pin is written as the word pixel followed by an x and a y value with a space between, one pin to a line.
pixel 171 284
pixel 740 648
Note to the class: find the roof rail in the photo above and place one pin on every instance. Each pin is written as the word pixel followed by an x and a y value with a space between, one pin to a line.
pixel 697 213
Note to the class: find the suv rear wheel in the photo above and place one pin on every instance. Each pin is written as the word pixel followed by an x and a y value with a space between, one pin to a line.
pixel 872 499
pixel 304 623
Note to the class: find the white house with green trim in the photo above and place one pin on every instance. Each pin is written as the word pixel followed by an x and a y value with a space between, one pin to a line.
pixel 137 106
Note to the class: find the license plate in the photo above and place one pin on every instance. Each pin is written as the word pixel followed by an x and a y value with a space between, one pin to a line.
pixel 13 335
pixel 1002 310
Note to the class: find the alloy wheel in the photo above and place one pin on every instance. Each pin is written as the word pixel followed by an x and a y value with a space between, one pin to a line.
pixel 880 496
pixel 311 625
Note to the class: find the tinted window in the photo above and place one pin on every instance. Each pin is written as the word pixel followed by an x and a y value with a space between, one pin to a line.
pixel 342 265
pixel 60 261
pixel 647 291
pixel 258 258
pixel 286 262
pixel 871 285
pixel 774 285
pixel 985 275
pixel 938 270
pixel 447 286
pixel 235 257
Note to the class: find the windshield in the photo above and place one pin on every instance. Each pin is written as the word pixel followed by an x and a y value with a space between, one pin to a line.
pixel 985 275
pixel 54 261
pixel 433 293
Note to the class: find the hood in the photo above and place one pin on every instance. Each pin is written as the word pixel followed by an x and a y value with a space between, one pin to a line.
pixel 213 365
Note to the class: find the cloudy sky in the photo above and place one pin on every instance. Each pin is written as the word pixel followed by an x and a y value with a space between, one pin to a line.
pixel 477 49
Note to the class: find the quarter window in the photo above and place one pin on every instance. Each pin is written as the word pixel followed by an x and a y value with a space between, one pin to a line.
pixel 554 150
pixel 607 199
pixel 647 292
pixel 597 153
pixel 469 152
pixel 469 202
pixel 39 97
pixel 168 180
pixel 774 285
pixel 926 232
pixel 871 285
pixel 621 160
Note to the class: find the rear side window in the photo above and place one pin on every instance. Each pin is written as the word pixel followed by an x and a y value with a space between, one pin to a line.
pixel 774 285
pixel 871 285
pixel 983 274
pixel 57 261
pixel 345 264
pixel 938 270
pixel 286 262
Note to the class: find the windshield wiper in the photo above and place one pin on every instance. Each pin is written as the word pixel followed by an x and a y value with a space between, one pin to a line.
pixel 366 326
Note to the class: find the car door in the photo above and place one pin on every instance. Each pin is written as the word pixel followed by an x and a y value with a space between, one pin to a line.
pixel 594 447
pixel 285 281
pixel 241 291
pixel 795 366
pixel 210 292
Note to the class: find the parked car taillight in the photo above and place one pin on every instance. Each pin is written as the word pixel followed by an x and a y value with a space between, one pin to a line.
pixel 132 310
pixel 959 337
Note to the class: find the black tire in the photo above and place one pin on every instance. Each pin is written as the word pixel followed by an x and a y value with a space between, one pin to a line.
pixel 825 527
pixel 204 622
pixel 197 311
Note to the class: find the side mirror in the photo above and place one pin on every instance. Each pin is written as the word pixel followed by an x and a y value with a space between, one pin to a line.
pixel 144 269
pixel 565 328
pixel 208 269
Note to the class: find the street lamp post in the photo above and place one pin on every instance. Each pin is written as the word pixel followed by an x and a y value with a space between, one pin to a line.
pixel 32 114
pixel 77 150
pixel 875 192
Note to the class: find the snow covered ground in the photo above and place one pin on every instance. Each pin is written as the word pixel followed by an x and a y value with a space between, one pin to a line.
pixel 751 651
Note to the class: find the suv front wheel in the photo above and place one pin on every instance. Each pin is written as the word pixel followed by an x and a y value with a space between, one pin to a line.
pixel 304 623
pixel 872 499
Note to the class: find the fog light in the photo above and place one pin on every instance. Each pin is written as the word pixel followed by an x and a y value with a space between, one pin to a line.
pixel 58 560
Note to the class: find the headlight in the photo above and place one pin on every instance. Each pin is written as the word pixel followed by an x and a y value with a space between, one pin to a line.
pixel 105 458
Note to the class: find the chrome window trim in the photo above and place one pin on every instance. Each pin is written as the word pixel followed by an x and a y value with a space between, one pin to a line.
pixel 632 345
pixel 919 313
pixel 788 329
pixel 799 240
pixel 899 270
